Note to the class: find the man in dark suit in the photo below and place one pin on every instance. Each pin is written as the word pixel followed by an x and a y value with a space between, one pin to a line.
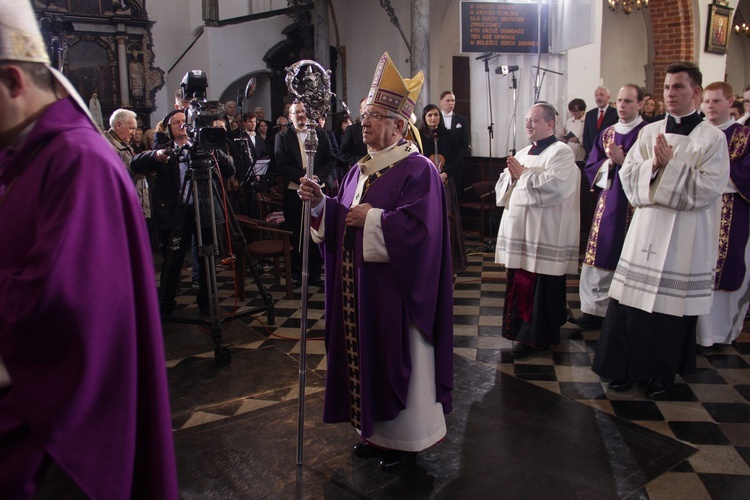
pixel 289 153
pixel 457 123
pixel 247 149
pixel 599 118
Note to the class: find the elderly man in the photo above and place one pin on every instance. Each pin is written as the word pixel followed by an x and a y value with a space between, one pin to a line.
pixel 388 285
pixel 597 119
pixel 84 407
pixel 122 127
pixel 538 236
pixel 674 176
pixel 291 159
pixel 724 323
pixel 613 212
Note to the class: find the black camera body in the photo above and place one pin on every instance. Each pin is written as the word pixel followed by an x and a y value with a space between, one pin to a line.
pixel 201 113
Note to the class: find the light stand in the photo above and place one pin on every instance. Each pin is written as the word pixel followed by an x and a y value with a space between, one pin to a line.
pixel 313 89
pixel 491 135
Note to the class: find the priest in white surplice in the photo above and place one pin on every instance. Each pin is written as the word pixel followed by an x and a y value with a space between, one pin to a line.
pixel 732 284
pixel 674 176
pixel 538 236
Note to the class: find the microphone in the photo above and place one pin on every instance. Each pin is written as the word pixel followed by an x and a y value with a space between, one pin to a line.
pixel 486 56
pixel 504 70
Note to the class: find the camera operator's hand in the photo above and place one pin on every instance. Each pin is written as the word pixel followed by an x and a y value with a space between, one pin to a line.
pixel 309 190
pixel 161 156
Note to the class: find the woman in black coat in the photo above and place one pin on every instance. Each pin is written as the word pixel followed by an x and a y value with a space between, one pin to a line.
pixel 443 147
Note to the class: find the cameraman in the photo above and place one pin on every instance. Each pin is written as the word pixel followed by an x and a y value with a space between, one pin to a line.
pixel 170 160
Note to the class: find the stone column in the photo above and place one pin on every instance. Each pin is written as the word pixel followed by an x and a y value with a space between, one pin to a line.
pixel 420 48
pixel 122 62
pixel 320 23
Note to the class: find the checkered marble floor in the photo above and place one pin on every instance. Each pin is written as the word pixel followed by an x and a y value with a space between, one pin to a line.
pixel 709 410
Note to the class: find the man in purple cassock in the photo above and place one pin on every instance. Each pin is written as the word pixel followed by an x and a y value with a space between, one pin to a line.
pixel 732 285
pixel 84 407
pixel 388 282
pixel 613 212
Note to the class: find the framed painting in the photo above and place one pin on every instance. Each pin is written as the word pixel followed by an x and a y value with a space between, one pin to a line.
pixel 719 28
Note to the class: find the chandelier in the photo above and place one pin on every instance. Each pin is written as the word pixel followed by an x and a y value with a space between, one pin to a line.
pixel 626 6
pixel 742 29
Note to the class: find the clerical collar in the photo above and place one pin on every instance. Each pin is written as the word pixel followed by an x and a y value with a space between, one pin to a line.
pixel 624 128
pixel 726 124
pixel 683 125
pixel 539 146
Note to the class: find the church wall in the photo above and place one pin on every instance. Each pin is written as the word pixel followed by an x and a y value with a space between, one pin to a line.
pixel 624 52
pixel 172 33
pixel 366 32
pixel 738 62
pixel 238 50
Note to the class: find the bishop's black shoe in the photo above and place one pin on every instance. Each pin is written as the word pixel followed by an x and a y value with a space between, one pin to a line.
pixel 365 450
pixel 394 459
pixel 587 321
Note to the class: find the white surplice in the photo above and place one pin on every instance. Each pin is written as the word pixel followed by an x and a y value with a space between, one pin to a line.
pixel 540 227
pixel 668 260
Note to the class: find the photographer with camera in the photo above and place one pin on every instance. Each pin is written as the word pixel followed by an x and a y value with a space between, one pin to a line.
pixel 172 161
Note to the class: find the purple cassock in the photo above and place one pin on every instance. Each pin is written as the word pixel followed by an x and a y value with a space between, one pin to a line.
pixel 416 286
pixel 79 321
pixel 735 212
pixel 612 216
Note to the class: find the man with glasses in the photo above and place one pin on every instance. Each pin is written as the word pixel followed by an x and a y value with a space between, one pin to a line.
pixel 388 308
pixel 291 162
pixel 597 119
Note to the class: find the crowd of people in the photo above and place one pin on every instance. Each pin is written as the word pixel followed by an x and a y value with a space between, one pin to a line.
pixel 663 172
pixel 664 266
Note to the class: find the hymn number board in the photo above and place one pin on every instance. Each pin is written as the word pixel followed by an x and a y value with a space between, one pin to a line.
pixel 504 27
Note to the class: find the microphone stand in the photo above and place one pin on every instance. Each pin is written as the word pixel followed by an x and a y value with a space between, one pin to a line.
pixel 313 89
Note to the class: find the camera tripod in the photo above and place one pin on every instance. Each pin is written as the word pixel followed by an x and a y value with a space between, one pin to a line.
pixel 199 183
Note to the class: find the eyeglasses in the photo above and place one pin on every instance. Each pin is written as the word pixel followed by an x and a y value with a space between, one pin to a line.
pixel 374 115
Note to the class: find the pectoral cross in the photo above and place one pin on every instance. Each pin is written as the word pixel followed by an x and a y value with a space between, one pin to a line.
pixel 648 252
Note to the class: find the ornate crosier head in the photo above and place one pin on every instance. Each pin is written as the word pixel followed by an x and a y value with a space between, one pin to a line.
pixel 310 83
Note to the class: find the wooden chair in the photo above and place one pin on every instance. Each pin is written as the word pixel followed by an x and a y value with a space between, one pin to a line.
pixel 480 202
pixel 266 241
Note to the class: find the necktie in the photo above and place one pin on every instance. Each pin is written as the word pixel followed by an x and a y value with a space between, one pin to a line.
pixel 599 121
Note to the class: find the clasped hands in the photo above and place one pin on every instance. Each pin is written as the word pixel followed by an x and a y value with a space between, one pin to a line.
pixel 662 152
pixel 309 190
pixel 515 168
pixel 616 154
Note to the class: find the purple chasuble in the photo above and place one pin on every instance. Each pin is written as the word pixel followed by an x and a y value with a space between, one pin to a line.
pixel 610 222
pixel 735 212
pixel 79 321
pixel 416 286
